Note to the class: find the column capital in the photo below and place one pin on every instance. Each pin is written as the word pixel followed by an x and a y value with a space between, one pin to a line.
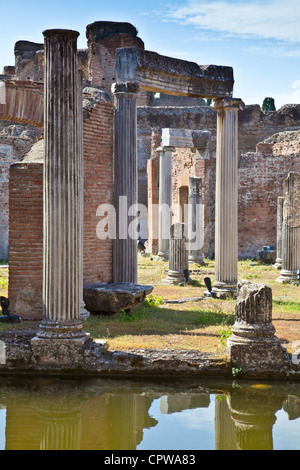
pixel 166 148
pixel 61 33
pixel 228 103
pixel 125 87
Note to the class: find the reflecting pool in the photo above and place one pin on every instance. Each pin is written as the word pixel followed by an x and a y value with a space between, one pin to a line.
pixel 111 414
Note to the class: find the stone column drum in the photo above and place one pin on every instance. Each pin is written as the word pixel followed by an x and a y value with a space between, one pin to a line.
pixel 290 229
pixel 253 344
pixel 125 180
pixel 226 228
pixel 178 254
pixel 165 200
pixel 63 172
pixel 195 220
pixel 278 262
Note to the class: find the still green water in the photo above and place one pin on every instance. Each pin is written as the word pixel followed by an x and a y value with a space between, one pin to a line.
pixel 100 414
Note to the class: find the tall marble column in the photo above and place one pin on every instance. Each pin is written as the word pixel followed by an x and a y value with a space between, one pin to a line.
pixel 290 229
pixel 195 220
pixel 226 221
pixel 62 283
pixel 125 180
pixel 278 262
pixel 165 200
pixel 84 314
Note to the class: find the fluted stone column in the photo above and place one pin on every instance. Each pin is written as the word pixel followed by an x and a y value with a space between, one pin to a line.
pixel 63 172
pixel 290 229
pixel 226 228
pixel 278 262
pixel 195 220
pixel 125 180
pixel 84 314
pixel 165 200
pixel 178 254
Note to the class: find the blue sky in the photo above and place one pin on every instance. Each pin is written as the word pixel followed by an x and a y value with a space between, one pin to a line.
pixel 260 39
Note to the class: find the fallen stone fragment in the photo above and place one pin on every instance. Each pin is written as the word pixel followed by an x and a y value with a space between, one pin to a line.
pixel 110 298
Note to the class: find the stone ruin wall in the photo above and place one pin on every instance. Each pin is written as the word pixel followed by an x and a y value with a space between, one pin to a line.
pixel 25 84
pixel 26 209
pixel 261 174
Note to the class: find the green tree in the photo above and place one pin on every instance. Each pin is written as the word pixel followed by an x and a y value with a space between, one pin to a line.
pixel 268 104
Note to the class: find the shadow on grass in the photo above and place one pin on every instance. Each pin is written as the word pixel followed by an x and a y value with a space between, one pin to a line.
pixel 145 320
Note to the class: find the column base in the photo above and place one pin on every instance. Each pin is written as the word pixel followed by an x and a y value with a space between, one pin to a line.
pixel 174 277
pixel 163 255
pixel 224 289
pixel 278 264
pixel 196 259
pixel 71 329
pixel 287 276
pixel 257 353
pixel 59 352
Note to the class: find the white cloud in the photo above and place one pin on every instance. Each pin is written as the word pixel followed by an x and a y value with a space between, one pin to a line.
pixel 266 19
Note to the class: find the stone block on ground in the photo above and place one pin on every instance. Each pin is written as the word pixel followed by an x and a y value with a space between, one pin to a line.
pixel 110 298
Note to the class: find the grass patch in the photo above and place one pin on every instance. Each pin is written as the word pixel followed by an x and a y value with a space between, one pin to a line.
pixel 203 325
pixel 285 305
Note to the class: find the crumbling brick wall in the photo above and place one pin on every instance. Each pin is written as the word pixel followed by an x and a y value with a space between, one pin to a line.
pixel 98 186
pixel 261 177
pixel 26 239
pixel 26 210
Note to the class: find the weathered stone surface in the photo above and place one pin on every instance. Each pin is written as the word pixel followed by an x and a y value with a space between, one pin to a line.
pixel 278 263
pixel 20 352
pixel 178 256
pixel 267 255
pixel 63 190
pixel 253 344
pixel 290 229
pixel 226 213
pixel 110 298
pixel 158 73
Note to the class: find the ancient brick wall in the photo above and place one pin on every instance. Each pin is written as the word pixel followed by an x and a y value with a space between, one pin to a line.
pixel 98 189
pixel 261 176
pixel 26 211
pixel 15 142
pixel 26 239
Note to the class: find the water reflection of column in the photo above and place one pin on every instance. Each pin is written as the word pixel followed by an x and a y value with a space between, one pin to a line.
pixel 226 228
pixel 224 426
pixel 195 219
pixel 253 414
pixel 125 180
pixel 165 200
pixel 290 229
pixel 60 429
pixel 278 262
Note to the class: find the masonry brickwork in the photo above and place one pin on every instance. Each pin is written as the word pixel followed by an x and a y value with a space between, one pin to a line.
pixel 26 210
pixel 261 173
pixel 26 239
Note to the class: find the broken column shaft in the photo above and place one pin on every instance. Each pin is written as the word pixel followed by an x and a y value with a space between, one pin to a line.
pixel 63 190
pixel 178 255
